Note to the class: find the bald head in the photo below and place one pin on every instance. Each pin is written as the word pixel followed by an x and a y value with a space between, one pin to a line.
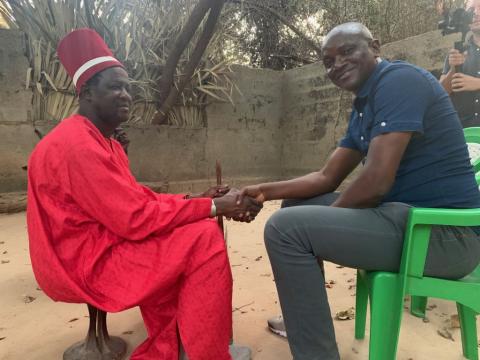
pixel 351 29
pixel 349 53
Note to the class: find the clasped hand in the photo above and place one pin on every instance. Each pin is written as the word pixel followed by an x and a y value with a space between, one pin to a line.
pixel 235 206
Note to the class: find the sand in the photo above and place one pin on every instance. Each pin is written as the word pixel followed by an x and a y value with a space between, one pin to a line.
pixel 42 329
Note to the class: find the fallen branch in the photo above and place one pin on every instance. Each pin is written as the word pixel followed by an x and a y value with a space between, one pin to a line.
pixel 241 307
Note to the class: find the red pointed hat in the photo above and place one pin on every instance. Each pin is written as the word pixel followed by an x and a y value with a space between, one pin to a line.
pixel 83 53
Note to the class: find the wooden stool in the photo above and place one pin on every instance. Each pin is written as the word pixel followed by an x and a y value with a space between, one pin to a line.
pixel 98 345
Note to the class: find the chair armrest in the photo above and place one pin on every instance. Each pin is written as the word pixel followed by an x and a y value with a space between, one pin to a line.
pixel 455 217
pixel 417 234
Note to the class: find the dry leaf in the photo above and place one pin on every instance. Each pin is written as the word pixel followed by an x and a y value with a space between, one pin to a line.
pixel 258 258
pixel 348 314
pixel 445 334
pixel 3 337
pixel 5 261
pixel 72 320
pixel 354 350
pixel 330 284
pixel 454 322
pixel 28 299
pixel 128 332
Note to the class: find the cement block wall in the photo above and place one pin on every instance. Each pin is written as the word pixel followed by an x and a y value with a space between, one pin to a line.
pixel 17 138
pixel 244 138
pixel 315 116
pixel 285 123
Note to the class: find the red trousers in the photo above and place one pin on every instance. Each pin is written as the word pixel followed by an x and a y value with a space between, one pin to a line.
pixel 182 282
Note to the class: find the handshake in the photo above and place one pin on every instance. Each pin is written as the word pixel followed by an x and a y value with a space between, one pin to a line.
pixel 239 205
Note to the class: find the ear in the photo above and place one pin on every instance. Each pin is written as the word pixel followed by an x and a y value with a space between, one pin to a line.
pixel 86 93
pixel 375 46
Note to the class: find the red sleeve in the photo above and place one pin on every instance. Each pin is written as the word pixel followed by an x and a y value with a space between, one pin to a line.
pixel 160 196
pixel 106 192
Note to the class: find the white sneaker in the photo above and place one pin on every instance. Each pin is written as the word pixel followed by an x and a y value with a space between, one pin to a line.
pixel 277 326
pixel 237 352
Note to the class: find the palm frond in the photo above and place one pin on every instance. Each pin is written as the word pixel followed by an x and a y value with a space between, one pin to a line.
pixel 140 33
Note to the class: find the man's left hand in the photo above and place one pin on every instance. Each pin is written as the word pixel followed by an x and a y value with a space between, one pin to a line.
pixel 462 82
pixel 213 192
pixel 216 191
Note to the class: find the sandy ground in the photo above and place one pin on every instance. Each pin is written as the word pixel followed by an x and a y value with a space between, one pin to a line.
pixel 42 329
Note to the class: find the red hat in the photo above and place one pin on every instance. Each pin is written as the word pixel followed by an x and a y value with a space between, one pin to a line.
pixel 83 53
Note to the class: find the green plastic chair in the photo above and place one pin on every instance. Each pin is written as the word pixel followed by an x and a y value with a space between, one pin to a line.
pixel 387 290
pixel 418 304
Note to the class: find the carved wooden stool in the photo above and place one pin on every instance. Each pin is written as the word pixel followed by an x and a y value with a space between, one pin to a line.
pixel 98 345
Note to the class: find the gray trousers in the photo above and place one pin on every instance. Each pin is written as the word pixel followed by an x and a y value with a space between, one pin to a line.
pixel 305 232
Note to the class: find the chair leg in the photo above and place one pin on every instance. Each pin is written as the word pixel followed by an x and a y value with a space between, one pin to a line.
pixel 361 303
pixel 101 347
pixel 113 347
pixel 418 306
pixel 468 327
pixel 386 304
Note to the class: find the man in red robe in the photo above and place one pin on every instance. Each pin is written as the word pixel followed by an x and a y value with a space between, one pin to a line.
pixel 98 236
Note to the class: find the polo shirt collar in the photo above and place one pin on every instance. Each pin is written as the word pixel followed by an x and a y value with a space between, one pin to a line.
pixel 367 86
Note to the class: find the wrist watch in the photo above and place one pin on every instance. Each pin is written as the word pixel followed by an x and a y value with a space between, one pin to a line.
pixel 213 210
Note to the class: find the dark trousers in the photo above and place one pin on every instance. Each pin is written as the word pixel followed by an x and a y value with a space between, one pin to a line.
pixel 305 232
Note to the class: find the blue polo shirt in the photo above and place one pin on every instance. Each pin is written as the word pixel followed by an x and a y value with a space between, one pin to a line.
pixel 435 170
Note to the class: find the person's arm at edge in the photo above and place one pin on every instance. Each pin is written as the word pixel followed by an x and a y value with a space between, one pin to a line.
pixel 378 175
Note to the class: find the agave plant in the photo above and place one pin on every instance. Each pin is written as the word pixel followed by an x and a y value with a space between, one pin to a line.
pixel 141 33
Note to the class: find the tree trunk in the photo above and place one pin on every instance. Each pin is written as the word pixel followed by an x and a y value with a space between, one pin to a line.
pixel 282 19
pixel 168 91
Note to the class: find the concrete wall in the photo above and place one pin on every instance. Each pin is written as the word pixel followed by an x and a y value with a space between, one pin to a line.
pixel 244 138
pixel 315 116
pixel 16 133
pixel 284 124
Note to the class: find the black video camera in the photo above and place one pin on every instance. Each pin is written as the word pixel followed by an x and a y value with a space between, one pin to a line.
pixel 454 21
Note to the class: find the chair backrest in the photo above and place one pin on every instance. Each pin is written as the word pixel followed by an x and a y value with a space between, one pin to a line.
pixel 472 137
pixel 418 229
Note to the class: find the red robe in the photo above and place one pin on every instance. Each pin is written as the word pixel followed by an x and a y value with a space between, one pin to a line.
pixel 99 237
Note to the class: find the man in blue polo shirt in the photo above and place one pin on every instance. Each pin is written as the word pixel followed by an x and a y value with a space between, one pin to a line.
pixel 405 131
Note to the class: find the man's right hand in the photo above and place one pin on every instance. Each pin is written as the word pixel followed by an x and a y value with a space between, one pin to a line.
pixel 253 191
pixel 455 58
pixel 244 209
